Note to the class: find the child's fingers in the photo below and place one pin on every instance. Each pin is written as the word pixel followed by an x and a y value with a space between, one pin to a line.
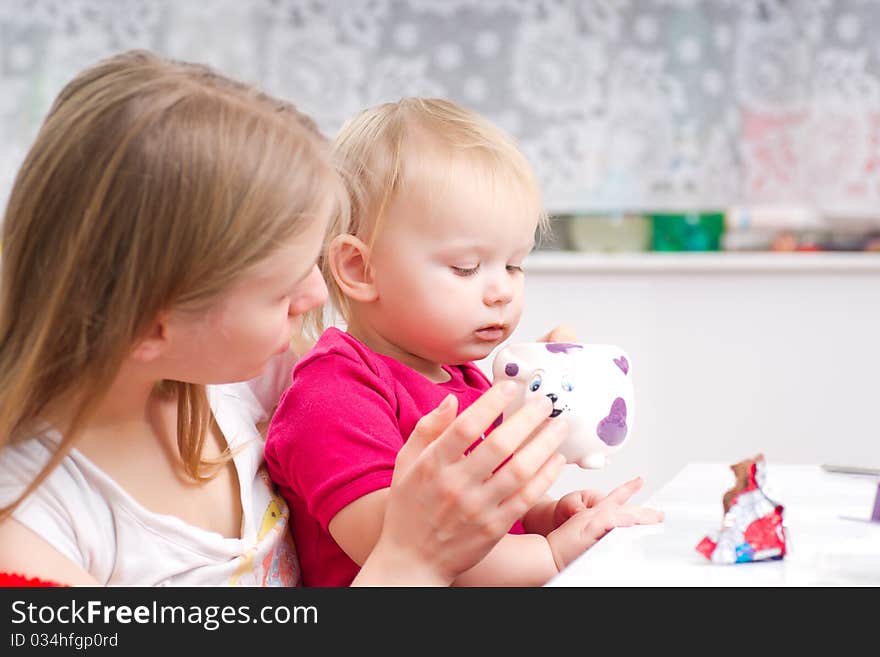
pixel 622 493
pixel 642 515
pixel 474 420
pixel 582 530
pixel 590 498
pixel 598 523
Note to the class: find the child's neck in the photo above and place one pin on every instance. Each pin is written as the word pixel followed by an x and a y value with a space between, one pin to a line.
pixel 382 345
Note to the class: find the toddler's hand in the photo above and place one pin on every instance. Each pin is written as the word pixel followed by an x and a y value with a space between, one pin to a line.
pixel 572 503
pixel 583 517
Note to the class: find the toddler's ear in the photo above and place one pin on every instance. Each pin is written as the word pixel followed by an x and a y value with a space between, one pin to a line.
pixel 348 261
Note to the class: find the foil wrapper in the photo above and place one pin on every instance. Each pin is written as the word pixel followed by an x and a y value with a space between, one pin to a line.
pixel 752 527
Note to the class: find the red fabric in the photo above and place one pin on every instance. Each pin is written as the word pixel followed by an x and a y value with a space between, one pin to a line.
pixel 16 580
pixel 336 434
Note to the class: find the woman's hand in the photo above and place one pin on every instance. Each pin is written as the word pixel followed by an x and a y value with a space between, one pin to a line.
pixel 446 511
pixel 562 333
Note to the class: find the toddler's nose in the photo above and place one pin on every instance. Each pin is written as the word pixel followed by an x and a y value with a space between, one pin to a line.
pixel 498 292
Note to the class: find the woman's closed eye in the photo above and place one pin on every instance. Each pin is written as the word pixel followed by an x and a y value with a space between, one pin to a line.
pixel 515 269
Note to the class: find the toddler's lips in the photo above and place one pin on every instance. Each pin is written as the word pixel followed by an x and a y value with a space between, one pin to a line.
pixel 490 333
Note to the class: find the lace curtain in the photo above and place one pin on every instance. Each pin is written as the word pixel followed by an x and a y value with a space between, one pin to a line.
pixel 620 104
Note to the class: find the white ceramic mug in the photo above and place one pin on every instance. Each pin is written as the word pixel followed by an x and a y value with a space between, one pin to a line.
pixel 590 384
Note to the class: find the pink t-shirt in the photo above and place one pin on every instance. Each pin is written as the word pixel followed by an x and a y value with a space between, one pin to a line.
pixel 336 433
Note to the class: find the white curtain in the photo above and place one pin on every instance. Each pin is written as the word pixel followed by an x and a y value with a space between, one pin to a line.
pixel 619 103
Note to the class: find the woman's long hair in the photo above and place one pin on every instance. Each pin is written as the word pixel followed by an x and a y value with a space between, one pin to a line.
pixel 152 185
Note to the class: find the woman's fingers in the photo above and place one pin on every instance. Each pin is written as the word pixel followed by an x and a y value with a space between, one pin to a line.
pixel 430 426
pixel 510 435
pixel 562 333
pixel 516 505
pixel 521 467
pixel 474 420
pixel 426 431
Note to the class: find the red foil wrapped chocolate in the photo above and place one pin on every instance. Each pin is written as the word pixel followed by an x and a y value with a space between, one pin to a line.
pixel 752 528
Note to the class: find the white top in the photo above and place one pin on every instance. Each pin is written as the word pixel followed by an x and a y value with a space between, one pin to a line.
pixel 92 521
pixel 830 541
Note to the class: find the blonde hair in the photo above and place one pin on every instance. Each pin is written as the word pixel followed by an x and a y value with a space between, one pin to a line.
pixel 385 148
pixel 152 185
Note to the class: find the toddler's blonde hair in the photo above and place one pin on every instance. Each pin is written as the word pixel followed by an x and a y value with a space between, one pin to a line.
pixel 420 145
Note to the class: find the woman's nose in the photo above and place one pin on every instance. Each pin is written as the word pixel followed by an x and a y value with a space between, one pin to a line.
pixel 312 294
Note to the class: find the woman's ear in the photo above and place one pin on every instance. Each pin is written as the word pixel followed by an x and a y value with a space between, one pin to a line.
pixel 153 344
pixel 349 258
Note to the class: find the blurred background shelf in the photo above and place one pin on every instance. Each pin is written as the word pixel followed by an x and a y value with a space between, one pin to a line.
pixel 685 262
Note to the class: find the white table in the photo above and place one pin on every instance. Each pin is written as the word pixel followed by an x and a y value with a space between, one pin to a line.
pixel 830 540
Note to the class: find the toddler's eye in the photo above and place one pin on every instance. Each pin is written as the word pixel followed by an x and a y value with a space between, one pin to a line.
pixel 465 271
pixel 535 382
pixel 515 269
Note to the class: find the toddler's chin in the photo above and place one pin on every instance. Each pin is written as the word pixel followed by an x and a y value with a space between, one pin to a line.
pixel 478 352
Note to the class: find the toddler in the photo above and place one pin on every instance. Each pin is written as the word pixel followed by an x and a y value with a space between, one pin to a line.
pixel 427 273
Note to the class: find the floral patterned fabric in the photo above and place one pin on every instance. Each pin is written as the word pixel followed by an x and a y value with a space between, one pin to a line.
pixel 619 103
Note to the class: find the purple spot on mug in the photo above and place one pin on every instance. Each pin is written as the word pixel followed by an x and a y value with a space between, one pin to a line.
pixel 623 364
pixel 612 428
pixel 562 347
pixel 511 369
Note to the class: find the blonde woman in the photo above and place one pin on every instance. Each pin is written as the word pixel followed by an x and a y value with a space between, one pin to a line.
pixel 159 246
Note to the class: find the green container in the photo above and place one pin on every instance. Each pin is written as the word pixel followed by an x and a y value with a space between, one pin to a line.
pixel 687 231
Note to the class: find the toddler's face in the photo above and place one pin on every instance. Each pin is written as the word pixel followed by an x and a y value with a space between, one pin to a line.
pixel 448 270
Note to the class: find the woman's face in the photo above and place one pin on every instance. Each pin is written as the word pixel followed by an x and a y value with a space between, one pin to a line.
pixel 257 317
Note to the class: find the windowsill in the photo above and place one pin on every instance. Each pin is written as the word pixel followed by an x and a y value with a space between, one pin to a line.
pixel 716 261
